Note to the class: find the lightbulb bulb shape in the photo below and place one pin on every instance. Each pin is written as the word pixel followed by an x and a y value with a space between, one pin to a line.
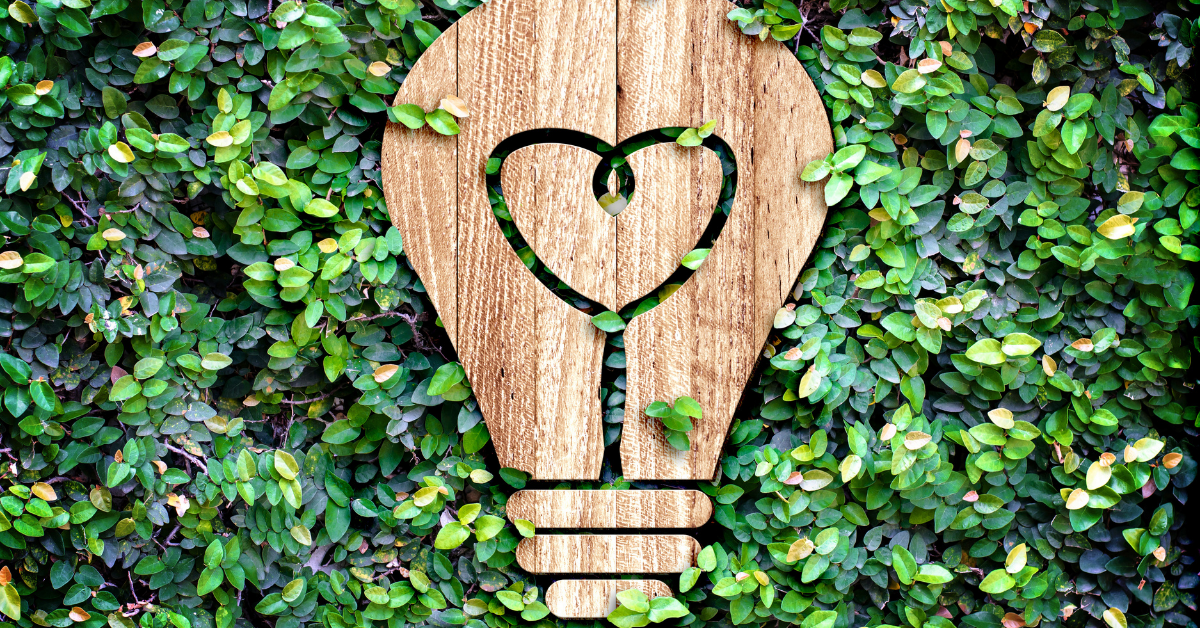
pixel 533 361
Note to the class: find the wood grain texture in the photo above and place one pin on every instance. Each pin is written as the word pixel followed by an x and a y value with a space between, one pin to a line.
pixel 607 553
pixel 611 509
pixel 533 360
pixel 676 190
pixel 595 599
pixel 548 190
pixel 422 193
pixel 704 340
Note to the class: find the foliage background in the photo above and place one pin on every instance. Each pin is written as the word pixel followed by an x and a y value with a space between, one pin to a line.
pixel 201 295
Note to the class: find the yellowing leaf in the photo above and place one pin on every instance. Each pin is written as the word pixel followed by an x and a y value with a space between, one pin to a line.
pixel 1017 557
pixel 1098 475
pixel 925 66
pixel 78 614
pixel 220 139
pixel 916 440
pixel 425 496
pixel 962 149
pixel 809 383
pixel 145 49
pixel 888 431
pixel 1115 618
pixel 27 180
pixel 1049 366
pixel 43 87
pixel 45 491
pixel 21 12
pixel 1117 226
pixel 199 232
pixel 328 245
pixel 1058 97
pixel 815 480
pixel 1172 460
pixel 283 264
pixel 1002 417
pixel 385 372
pixel 1077 499
pixel 1147 448
pixel 850 467
pixel 112 234
pixel 379 68
pixel 121 153
pixel 455 105
pixel 872 78
pixel 10 260
pixel 1083 344
pixel 179 503
pixel 800 549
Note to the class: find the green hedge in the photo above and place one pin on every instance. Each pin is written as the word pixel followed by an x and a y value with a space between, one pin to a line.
pixel 976 411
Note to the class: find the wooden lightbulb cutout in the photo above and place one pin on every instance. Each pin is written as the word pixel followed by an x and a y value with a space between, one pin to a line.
pixel 534 361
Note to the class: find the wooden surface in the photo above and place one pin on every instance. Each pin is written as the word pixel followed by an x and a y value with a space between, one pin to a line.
pixel 704 340
pixel 421 190
pixel 611 509
pixel 548 190
pixel 675 191
pixel 607 553
pixel 533 361
pixel 595 599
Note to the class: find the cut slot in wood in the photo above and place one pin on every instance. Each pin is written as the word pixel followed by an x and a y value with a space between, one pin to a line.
pixel 611 509
pixel 595 599
pixel 607 553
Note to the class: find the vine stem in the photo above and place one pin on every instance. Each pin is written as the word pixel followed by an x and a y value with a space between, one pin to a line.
pixel 170 447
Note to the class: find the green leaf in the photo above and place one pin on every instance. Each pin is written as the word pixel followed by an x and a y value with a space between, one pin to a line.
pixel 451 536
pixel 849 157
pixel 837 188
pixel 1017 344
pixel 441 121
pixel 908 82
pixel 694 259
pixel 10 600
pixel 904 564
pixel 114 102
pixel 986 351
pixel 411 116
pixel 446 377
pixel 125 388
pixel 285 465
pixel 635 600
pixel 997 582
pixel 609 322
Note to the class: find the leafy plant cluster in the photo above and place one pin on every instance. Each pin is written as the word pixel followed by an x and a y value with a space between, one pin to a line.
pixel 227 401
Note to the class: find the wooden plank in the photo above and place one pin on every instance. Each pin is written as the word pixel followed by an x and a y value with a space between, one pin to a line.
pixel 422 202
pixel 705 339
pixel 607 553
pixel 595 599
pixel 527 65
pixel 548 190
pixel 676 189
pixel 611 509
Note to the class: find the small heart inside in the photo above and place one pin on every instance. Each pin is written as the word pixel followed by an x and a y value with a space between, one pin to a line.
pixel 623 245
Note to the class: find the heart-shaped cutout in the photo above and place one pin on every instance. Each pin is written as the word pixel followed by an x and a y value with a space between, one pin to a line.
pixel 612 260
